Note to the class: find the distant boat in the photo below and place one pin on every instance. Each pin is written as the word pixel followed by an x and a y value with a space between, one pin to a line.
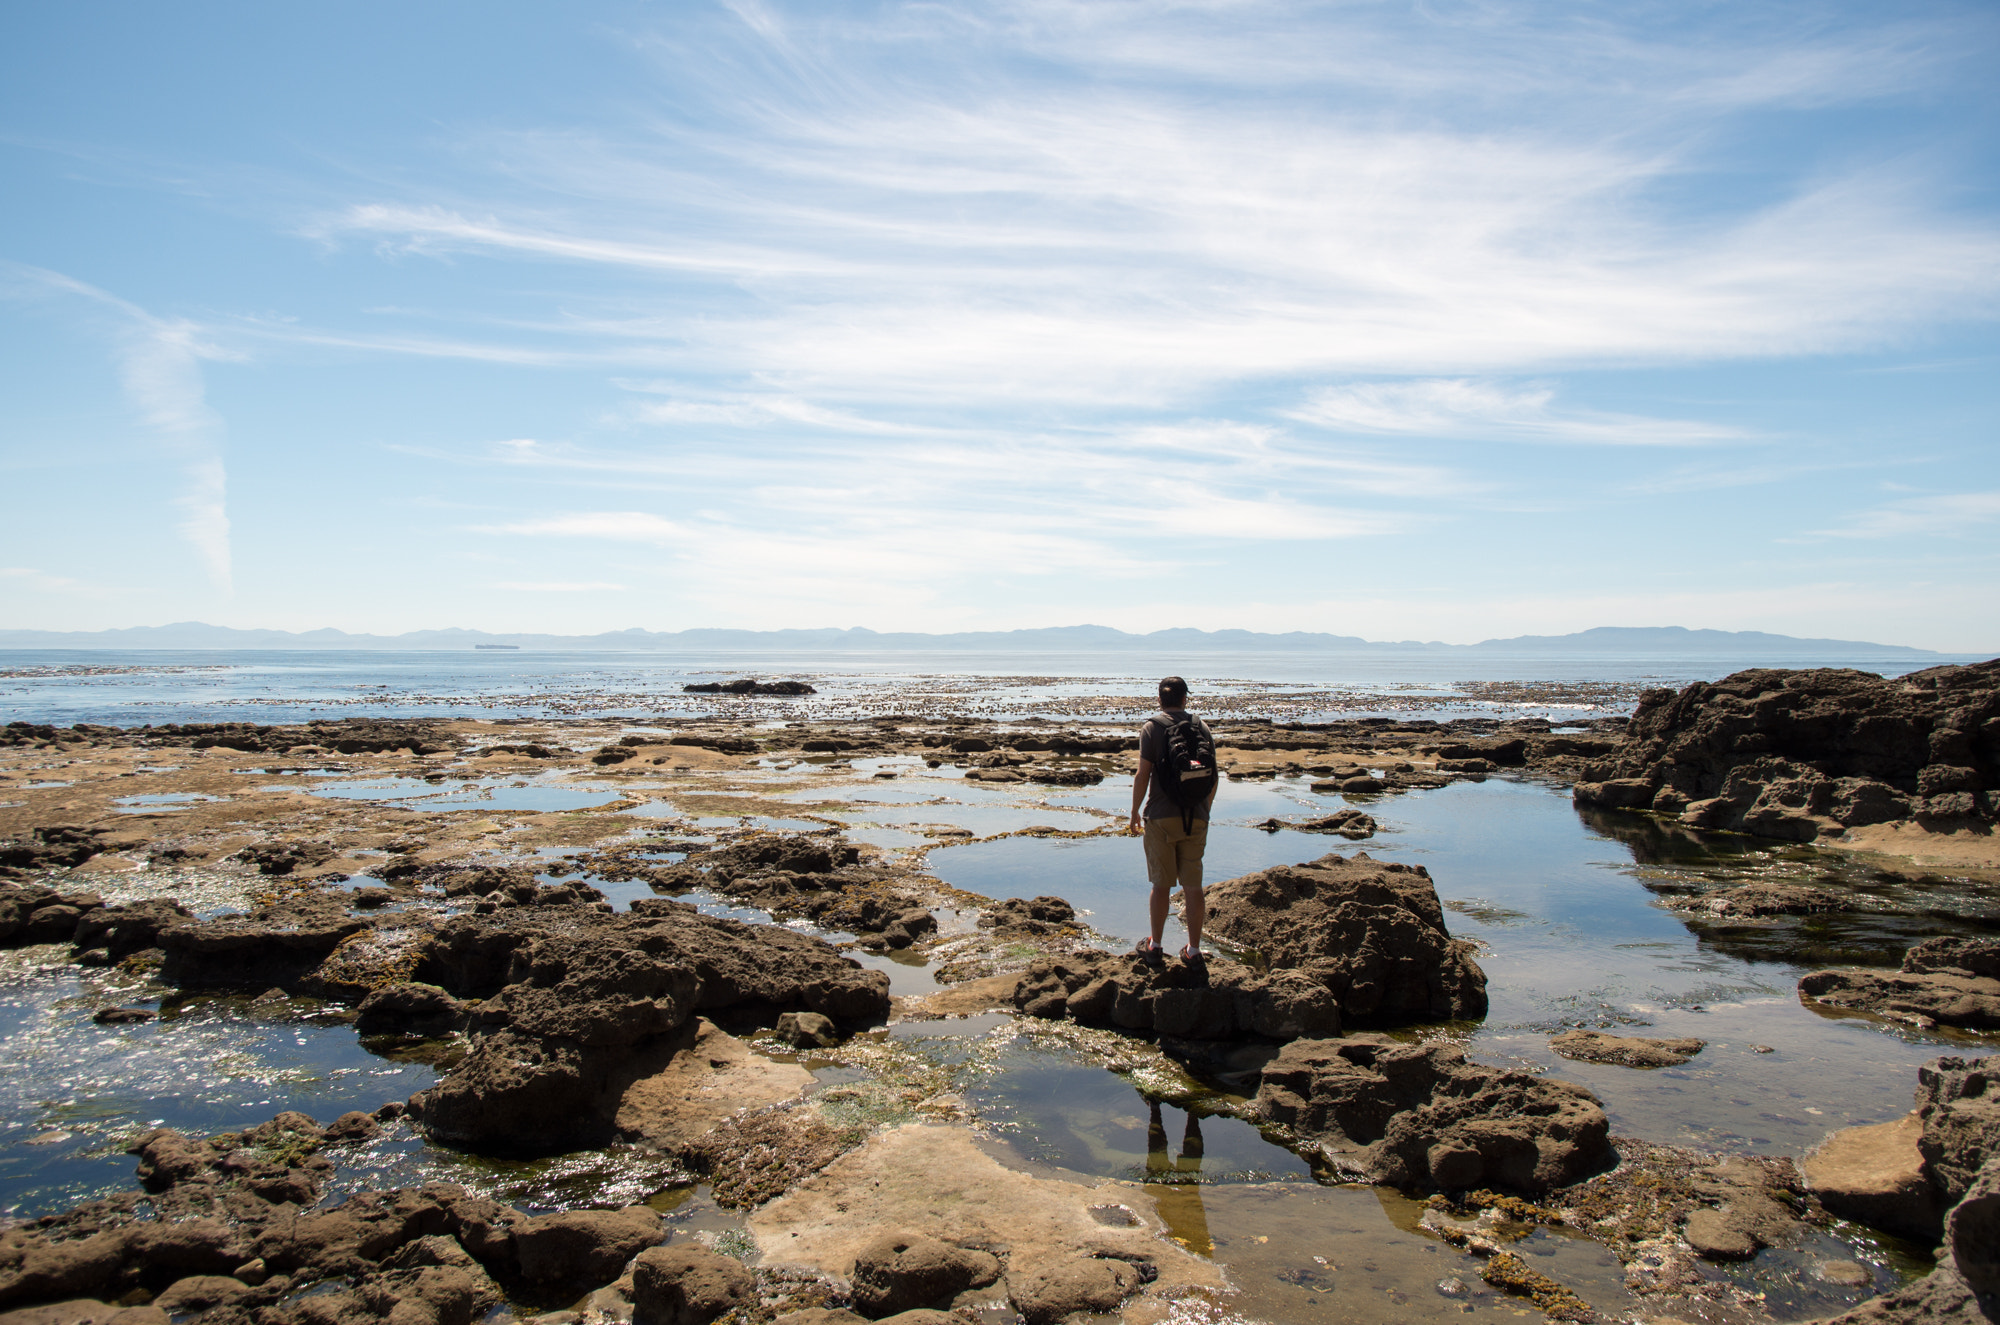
pixel 496 646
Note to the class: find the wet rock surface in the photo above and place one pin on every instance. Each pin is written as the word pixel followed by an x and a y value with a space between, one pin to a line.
pixel 1421 1117
pixel 1371 933
pixel 1626 1050
pixel 1809 753
pixel 1943 982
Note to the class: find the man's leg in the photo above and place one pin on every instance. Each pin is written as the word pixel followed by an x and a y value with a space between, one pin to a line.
pixel 1162 864
pixel 1194 905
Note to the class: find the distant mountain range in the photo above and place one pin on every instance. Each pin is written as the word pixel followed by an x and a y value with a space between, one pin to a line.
pixel 1641 640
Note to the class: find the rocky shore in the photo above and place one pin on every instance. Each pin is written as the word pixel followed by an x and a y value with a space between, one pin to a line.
pixel 198 861
pixel 1815 754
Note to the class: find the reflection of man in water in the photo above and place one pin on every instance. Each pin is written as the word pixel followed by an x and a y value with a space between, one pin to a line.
pixel 1176 1182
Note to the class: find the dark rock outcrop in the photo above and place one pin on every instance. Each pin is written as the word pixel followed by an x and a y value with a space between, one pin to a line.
pixel 1212 1000
pixel 422 736
pixel 276 945
pixel 749 687
pixel 109 934
pixel 1371 933
pixel 1943 982
pixel 570 1000
pixel 1809 753
pixel 1421 1117
pixel 50 847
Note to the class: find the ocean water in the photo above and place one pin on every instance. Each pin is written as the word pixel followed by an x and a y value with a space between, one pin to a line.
pixel 133 688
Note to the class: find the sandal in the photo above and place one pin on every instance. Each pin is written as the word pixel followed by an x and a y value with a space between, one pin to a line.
pixel 1147 950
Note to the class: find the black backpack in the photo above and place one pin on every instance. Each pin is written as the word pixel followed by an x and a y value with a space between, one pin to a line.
pixel 1188 770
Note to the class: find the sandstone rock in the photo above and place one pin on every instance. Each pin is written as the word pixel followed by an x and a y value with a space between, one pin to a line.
pixel 583 1248
pixel 1945 981
pixel 273 945
pixel 688 1285
pixel 1972 1233
pixel 84 1311
pixel 1035 916
pixel 935 1181
pixel 199 1292
pixel 1757 900
pixel 1213 1000
pixel 1795 754
pixel 1958 1101
pixel 120 931
pixel 1874 1175
pixel 1714 1235
pixel 1371 933
pixel 902 1272
pixel 1422 1117
pixel 585 1002
pixel 1047 1288
pixel 1625 1050
pixel 674 1091
pixel 51 846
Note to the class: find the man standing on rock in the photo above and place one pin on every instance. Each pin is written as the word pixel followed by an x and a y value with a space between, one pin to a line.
pixel 1175 785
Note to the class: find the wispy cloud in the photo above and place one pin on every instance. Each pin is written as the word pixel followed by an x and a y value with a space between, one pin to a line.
pixel 1927 517
pixel 894 210
pixel 578 586
pixel 1492 411
pixel 36 580
pixel 160 366
pixel 617 526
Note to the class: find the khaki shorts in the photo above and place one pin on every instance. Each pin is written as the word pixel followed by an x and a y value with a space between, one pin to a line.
pixel 1173 855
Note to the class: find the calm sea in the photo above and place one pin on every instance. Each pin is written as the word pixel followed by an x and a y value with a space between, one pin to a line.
pixel 154 686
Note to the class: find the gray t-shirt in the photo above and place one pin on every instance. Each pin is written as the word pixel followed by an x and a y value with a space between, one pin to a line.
pixel 1153 748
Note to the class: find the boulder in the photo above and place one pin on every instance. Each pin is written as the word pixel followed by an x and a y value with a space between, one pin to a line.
pixel 1422 1117
pixel 409 1008
pixel 1625 1050
pixel 1874 1175
pixel 1371 933
pixel 902 1272
pixel 804 1030
pixel 1047 1288
pixel 688 1285
pixel 1212 1000
pixel 583 1248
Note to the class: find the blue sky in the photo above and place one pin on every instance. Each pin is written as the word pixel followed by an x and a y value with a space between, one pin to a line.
pixel 1441 321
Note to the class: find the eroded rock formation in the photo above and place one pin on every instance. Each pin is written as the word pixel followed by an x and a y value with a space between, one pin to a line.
pixel 1370 932
pixel 1421 1117
pixel 1810 753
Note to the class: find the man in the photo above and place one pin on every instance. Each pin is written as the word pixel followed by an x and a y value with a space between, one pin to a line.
pixel 1175 786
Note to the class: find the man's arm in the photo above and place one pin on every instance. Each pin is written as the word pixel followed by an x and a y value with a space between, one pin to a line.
pixel 1140 781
